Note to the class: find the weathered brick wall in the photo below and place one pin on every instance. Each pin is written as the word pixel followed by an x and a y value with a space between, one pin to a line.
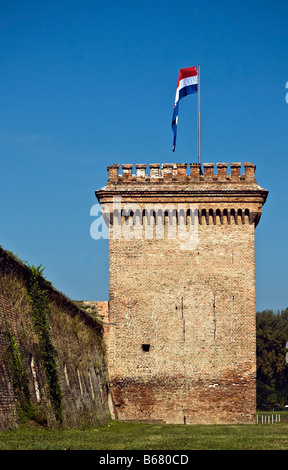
pixel 8 413
pixel 78 340
pixel 101 310
pixel 194 308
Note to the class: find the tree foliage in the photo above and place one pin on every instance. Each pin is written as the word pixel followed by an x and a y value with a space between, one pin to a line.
pixel 272 368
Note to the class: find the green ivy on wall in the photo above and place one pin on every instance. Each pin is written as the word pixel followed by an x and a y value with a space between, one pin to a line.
pixel 19 381
pixel 25 409
pixel 37 288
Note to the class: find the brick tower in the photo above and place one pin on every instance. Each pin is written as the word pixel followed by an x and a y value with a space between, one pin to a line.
pixel 181 333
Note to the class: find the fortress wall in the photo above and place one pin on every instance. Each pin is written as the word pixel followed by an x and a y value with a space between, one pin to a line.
pixel 77 339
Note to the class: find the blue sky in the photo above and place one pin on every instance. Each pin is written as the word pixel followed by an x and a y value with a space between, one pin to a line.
pixel 86 84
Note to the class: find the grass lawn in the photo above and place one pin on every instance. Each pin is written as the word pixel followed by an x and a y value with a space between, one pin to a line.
pixel 139 436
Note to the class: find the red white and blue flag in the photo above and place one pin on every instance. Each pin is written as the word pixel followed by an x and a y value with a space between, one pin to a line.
pixel 187 84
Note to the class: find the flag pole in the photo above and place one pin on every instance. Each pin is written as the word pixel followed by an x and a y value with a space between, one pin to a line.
pixel 199 119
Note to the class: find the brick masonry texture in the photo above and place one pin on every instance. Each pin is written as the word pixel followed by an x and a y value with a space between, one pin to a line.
pixel 81 361
pixel 180 328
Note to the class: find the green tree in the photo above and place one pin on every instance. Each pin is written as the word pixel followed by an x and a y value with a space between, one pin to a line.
pixel 272 368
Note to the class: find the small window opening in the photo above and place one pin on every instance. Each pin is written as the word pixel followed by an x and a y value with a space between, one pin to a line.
pixel 146 347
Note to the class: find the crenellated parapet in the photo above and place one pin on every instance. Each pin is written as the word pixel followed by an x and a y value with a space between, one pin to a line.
pixel 179 172
pixel 224 194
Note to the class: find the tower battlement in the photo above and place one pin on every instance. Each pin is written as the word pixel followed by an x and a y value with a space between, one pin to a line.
pixel 225 197
pixel 179 172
